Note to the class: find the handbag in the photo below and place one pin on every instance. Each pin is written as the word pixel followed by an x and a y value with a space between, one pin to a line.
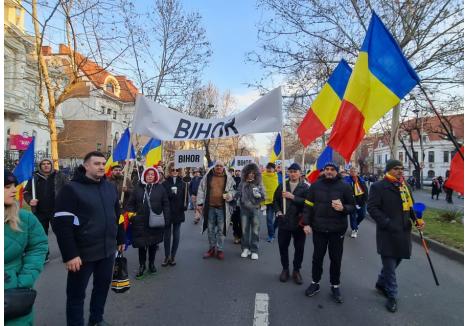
pixel 155 220
pixel 120 282
pixel 18 302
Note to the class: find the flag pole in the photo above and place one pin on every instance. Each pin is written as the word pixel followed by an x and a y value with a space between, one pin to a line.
pixel 449 134
pixel 33 185
pixel 283 168
pixel 126 165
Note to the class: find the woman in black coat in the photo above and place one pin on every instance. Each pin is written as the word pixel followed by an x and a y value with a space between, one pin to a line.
pixel 177 192
pixel 146 239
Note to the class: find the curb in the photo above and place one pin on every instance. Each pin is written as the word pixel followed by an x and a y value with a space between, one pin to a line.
pixel 440 248
pixel 434 245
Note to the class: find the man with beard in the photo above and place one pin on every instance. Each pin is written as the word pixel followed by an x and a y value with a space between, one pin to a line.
pixel 117 179
pixel 329 201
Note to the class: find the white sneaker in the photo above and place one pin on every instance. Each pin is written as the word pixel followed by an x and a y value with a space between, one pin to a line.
pixel 254 256
pixel 245 253
pixel 354 234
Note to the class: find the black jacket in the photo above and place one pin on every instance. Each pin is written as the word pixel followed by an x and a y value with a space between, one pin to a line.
pixel 47 188
pixel 321 216
pixel 193 185
pixel 294 208
pixel 142 234
pixel 178 202
pixel 393 224
pixel 86 220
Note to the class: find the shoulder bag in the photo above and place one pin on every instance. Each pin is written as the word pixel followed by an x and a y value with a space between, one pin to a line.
pixel 154 220
pixel 18 302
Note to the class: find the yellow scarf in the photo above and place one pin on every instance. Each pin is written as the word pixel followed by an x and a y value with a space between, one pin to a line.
pixel 404 191
pixel 357 187
pixel 270 181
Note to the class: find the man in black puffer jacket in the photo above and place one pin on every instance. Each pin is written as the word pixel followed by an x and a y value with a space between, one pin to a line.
pixel 328 203
pixel 86 223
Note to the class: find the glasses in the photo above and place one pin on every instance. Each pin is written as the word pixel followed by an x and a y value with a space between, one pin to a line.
pixel 172 170
pixel 398 169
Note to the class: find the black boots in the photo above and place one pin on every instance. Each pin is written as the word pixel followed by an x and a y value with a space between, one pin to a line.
pixel 141 272
pixel 152 268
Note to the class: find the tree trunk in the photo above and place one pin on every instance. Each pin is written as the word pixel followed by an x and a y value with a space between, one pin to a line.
pixel 206 143
pixel 53 139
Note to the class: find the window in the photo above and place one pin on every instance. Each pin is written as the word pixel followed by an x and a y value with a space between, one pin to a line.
pixel 386 158
pixel 416 156
pixel 114 115
pixel 431 157
pixel 110 87
pixel 406 157
pixel 400 156
pixel 431 173
pixel 109 111
pixel 446 156
pixel 103 109
pixel 379 159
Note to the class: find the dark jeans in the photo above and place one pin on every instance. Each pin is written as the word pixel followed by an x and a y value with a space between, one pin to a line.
pixel 333 241
pixel 387 276
pixel 284 239
pixel 151 254
pixel 271 222
pixel 356 217
pixel 44 218
pixel 172 230
pixel 76 290
pixel 236 223
pixel 448 196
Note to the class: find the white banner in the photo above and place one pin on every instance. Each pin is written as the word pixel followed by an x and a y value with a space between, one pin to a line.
pixel 241 161
pixel 155 120
pixel 189 159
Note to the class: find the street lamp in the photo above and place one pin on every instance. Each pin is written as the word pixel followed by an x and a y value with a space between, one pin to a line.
pixel 421 142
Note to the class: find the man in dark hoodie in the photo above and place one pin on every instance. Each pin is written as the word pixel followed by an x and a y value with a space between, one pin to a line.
pixel 47 183
pixel 251 193
pixel 329 201
pixel 117 179
pixel 86 225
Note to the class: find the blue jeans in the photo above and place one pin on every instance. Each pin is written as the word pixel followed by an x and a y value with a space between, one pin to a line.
pixel 387 276
pixel 215 228
pixel 175 228
pixel 76 290
pixel 356 217
pixel 270 216
pixel 250 229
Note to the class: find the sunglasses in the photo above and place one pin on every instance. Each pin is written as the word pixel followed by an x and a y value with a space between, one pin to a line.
pixel 172 170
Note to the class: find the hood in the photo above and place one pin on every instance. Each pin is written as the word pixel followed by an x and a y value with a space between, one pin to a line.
pixel 142 178
pixel 251 167
pixel 44 160
pixel 80 176
pixel 211 172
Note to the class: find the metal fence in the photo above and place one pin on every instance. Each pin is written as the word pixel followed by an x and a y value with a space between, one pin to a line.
pixel 11 158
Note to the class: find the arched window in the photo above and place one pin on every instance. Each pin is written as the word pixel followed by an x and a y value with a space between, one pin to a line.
pixel 110 87
pixel 431 173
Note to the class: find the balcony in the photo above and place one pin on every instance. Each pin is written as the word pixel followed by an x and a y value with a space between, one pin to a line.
pixel 14 103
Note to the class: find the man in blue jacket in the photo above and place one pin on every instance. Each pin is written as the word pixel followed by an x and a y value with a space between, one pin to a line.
pixel 88 234
pixel 360 196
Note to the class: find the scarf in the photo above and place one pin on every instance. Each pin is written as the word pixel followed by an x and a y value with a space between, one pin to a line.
pixel 404 191
pixel 358 191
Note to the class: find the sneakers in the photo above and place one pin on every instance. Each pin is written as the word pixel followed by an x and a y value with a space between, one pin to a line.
pixel 391 305
pixel 165 262
pixel 353 233
pixel 254 256
pixel 271 239
pixel 312 290
pixel 297 277
pixel 336 294
pixel 245 253
pixel 237 241
pixel 284 276
pixel 141 272
pixel 381 289
pixel 220 255
pixel 152 269
pixel 209 253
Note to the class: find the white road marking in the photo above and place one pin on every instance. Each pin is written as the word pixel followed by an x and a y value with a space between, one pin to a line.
pixel 261 309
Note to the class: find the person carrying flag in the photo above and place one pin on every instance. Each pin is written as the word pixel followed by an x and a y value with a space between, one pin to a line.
pixel 360 193
pixel 270 181
pixel 48 183
pixel 117 179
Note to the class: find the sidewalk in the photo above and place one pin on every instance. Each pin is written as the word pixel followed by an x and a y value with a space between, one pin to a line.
pixel 425 197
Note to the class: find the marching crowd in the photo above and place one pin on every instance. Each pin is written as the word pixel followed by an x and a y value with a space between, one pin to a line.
pixel 85 211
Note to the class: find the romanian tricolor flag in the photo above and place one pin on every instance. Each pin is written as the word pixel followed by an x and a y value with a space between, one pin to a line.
pixel 323 111
pixel 275 153
pixel 24 171
pixel 381 78
pixel 324 158
pixel 153 152
pixel 120 152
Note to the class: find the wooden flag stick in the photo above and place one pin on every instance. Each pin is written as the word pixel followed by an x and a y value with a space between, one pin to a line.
pixel 126 166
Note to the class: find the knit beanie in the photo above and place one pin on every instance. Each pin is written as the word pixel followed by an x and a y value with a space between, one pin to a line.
pixel 9 178
pixel 391 164
pixel 332 164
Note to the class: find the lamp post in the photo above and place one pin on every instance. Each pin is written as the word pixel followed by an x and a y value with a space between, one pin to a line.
pixel 421 143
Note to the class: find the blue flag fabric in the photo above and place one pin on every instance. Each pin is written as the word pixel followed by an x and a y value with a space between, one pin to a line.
pixel 120 150
pixel 25 168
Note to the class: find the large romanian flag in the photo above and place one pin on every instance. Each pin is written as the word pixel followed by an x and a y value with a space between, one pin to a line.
pixel 153 152
pixel 323 111
pixel 120 152
pixel 24 171
pixel 456 177
pixel 324 158
pixel 276 151
pixel 381 78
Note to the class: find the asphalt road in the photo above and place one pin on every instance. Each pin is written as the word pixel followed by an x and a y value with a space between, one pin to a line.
pixel 212 292
pixel 425 197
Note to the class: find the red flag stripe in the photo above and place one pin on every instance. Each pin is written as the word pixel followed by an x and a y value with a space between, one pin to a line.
pixel 310 128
